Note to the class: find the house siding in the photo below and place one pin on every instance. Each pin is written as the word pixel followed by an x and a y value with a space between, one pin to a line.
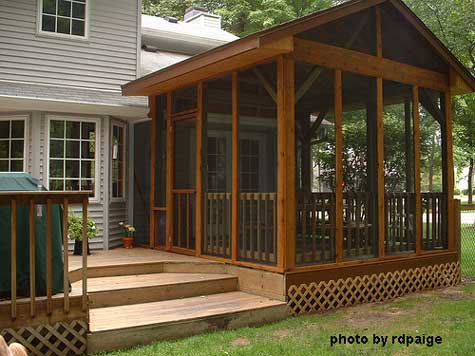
pixel 106 60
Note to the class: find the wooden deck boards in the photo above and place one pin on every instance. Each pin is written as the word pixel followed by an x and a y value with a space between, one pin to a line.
pixel 171 311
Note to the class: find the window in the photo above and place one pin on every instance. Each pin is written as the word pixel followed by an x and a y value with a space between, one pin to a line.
pixel 72 155
pixel 217 164
pixel 12 145
pixel 118 161
pixel 66 17
pixel 249 153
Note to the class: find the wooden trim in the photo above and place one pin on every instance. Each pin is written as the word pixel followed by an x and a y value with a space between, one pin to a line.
pixel 235 168
pixel 376 262
pixel 84 253
pixel 41 198
pixel 417 168
pixel 13 272
pixel 449 166
pixel 49 256
pixel 152 102
pixel 356 62
pixel 246 264
pixel 184 191
pixel 286 204
pixel 380 164
pixel 183 251
pixel 187 114
pixel 338 165
pixel 32 250
pixel 170 173
pixel 163 210
pixel 65 256
pixel 379 36
pixel 199 170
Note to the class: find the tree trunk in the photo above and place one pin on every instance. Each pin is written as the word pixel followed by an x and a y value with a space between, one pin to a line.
pixel 470 182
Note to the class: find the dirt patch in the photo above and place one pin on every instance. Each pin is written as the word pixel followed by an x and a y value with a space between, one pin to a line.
pixel 241 342
pixel 281 333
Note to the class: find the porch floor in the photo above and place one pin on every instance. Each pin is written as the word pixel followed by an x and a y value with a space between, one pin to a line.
pixel 122 256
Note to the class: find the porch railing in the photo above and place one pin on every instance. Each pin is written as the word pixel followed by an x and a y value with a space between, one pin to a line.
pixel 217 225
pixel 257 240
pixel 434 213
pixel 400 222
pixel 184 218
pixel 33 201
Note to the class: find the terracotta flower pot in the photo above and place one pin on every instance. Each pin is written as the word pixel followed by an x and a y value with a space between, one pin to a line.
pixel 128 242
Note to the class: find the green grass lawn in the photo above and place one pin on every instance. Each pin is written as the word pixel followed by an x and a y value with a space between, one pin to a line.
pixel 468 250
pixel 448 313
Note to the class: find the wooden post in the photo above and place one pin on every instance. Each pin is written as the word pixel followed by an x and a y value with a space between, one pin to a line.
pixel 286 204
pixel 152 103
pixel 13 226
pixel 380 165
pixel 84 253
pixel 170 183
pixel 417 169
pixel 65 255
pixel 235 168
pixel 408 146
pixel 449 168
pixel 33 258
pixel 380 137
pixel 49 265
pixel 199 169
pixel 338 166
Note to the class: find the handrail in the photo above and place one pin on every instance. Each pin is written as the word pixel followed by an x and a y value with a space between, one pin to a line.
pixel 31 200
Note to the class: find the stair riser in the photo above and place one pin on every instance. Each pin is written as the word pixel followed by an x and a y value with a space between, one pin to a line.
pixel 148 268
pixel 160 293
pixel 125 338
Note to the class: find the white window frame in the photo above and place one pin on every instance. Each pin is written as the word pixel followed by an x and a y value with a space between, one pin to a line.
pixel 122 125
pixel 39 26
pixel 97 156
pixel 25 119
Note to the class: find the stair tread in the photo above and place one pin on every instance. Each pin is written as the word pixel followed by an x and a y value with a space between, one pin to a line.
pixel 169 311
pixel 145 280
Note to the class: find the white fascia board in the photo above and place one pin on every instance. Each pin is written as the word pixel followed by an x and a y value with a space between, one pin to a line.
pixel 129 113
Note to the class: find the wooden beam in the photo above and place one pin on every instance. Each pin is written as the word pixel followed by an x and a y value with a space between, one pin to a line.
pixel 170 173
pixel 266 84
pixel 449 168
pixel 199 169
pixel 235 168
pixel 356 62
pixel 417 168
pixel 317 71
pixel 338 166
pixel 286 194
pixel 379 36
pixel 152 104
pixel 380 164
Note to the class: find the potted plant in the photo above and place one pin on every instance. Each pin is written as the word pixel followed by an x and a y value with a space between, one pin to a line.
pixel 128 237
pixel 75 233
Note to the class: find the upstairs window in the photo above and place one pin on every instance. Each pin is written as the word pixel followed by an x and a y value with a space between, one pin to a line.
pixel 67 17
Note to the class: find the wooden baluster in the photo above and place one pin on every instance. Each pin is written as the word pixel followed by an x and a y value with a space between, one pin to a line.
pixel 251 226
pixel 211 226
pixel 314 229
pixel 179 220
pixel 84 254
pixel 274 230
pixel 324 230
pixel 244 227
pixel 188 220
pixel 358 223
pixel 366 222
pixel 259 242
pixel 401 222
pixel 349 222
pixel 32 227
pixel 49 258
pixel 434 221
pixel 13 226
pixel 304 228
pixel 266 227
pixel 205 224
pixel 65 255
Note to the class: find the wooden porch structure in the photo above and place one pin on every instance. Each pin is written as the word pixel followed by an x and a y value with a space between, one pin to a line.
pixel 284 91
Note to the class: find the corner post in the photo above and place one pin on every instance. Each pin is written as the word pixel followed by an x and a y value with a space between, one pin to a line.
pixel 199 169
pixel 286 204
pixel 152 114
pixel 170 168
pixel 338 166
pixel 449 169
pixel 235 168
pixel 417 168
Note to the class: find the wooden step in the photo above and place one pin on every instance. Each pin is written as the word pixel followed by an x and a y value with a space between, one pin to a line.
pixel 126 326
pixel 125 290
pixel 130 268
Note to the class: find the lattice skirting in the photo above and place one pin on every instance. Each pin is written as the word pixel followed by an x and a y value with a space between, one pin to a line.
pixel 327 295
pixel 63 338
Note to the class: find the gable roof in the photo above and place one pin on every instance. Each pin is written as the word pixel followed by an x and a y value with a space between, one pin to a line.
pixel 271 42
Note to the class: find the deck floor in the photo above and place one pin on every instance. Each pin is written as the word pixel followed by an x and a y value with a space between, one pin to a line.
pixel 124 256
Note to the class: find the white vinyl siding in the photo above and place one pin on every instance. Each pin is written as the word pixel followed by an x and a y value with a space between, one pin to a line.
pixel 105 60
